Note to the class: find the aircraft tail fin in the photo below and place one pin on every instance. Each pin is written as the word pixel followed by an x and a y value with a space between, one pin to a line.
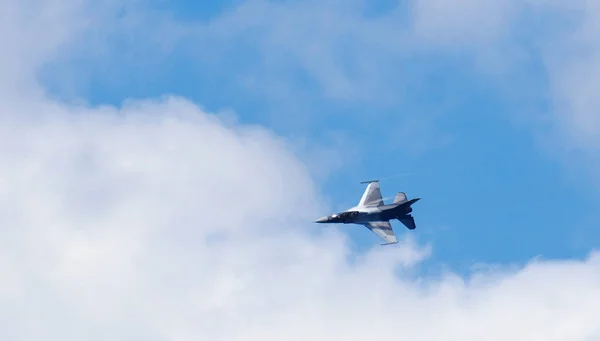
pixel 400 198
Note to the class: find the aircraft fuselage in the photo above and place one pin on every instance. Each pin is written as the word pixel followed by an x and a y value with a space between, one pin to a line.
pixel 363 215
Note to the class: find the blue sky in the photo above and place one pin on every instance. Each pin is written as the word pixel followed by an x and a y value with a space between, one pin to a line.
pixel 492 191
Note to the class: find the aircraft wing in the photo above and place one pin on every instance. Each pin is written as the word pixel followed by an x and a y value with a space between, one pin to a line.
pixel 372 195
pixel 384 230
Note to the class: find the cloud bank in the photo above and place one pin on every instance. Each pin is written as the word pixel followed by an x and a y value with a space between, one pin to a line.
pixel 155 220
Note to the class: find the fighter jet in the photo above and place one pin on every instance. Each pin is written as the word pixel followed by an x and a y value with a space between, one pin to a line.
pixel 375 215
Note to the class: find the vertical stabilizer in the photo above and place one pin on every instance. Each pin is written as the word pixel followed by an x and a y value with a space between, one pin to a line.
pixel 400 198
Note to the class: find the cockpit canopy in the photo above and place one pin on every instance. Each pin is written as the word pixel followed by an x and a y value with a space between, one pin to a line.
pixel 343 216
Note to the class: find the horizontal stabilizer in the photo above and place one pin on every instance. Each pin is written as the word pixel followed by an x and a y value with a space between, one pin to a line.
pixel 408 221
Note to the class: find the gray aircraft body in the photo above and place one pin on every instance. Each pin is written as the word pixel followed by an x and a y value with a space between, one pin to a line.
pixel 375 215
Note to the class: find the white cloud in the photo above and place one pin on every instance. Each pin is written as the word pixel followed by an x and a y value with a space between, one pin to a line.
pixel 98 201
pixel 330 42
pixel 155 221
pixel 456 23
pixel 351 55
pixel 356 57
pixel 28 36
pixel 573 62
pixel 566 34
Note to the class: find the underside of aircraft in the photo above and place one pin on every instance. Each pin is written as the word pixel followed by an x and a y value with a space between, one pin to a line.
pixel 375 215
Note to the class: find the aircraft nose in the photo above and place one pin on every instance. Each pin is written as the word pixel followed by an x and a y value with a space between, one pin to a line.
pixel 322 220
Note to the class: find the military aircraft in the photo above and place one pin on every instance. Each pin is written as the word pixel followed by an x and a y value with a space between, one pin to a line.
pixel 375 215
